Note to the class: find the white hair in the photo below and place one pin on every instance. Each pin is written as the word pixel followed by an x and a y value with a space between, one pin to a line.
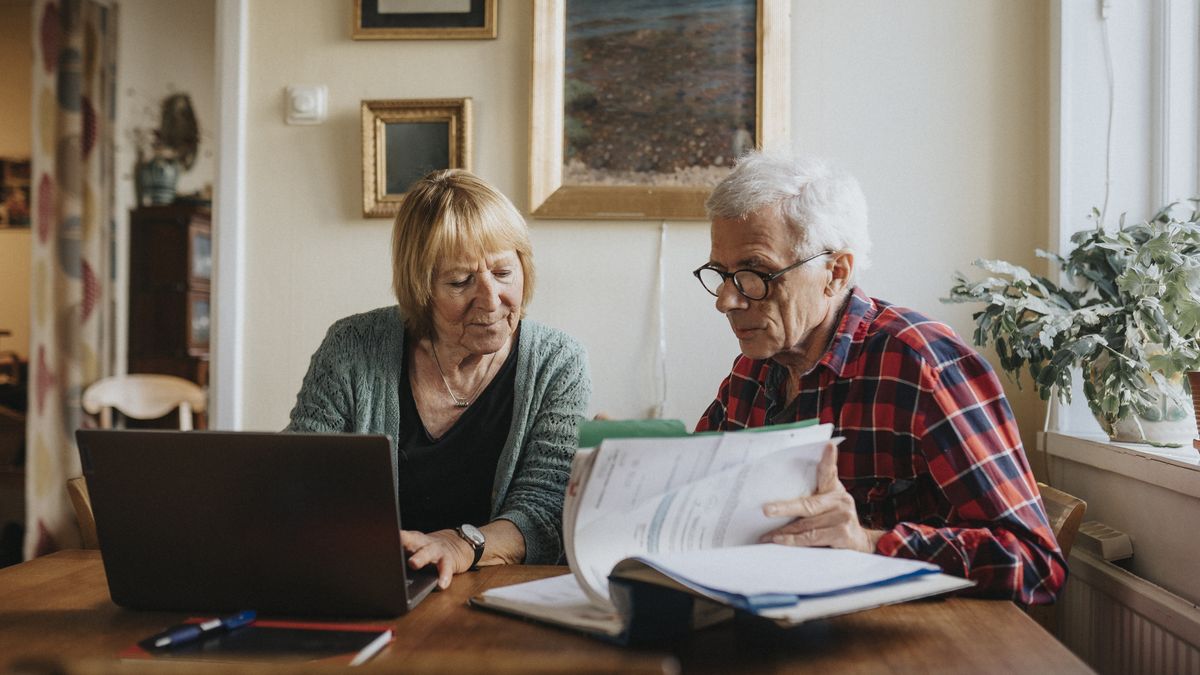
pixel 825 206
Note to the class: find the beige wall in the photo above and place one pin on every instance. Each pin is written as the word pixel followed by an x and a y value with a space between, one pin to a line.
pixel 938 106
pixel 941 108
pixel 163 48
pixel 16 63
pixel 14 289
pixel 16 60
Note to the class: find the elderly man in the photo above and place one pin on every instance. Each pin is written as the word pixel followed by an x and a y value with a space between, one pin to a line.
pixel 932 467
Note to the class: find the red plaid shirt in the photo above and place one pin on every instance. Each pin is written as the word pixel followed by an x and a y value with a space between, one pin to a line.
pixel 932 454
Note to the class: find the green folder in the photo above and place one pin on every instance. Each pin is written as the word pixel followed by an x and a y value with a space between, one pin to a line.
pixel 592 432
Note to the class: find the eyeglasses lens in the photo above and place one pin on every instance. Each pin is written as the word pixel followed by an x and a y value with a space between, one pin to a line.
pixel 750 284
pixel 711 279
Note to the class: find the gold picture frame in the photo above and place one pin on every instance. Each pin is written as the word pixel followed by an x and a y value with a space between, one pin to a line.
pixel 551 197
pixel 403 140
pixel 373 23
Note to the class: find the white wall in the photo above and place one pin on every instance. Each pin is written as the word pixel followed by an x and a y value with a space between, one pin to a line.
pixel 939 107
pixel 16 62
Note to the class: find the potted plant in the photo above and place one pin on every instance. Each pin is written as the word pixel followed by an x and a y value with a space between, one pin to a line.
pixel 1127 316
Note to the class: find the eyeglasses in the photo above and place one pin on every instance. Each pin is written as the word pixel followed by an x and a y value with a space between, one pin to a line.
pixel 752 284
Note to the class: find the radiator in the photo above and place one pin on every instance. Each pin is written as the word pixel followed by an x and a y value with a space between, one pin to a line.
pixel 1120 623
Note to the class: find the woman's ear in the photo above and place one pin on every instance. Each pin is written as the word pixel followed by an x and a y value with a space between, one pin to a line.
pixel 841 270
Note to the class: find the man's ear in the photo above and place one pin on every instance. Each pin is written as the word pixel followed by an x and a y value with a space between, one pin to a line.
pixel 840 269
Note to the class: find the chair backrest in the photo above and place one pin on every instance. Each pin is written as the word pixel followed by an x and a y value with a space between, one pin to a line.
pixel 1065 513
pixel 143 397
pixel 82 502
pixel 139 396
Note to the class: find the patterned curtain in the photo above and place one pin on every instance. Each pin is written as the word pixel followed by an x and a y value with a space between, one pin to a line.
pixel 71 305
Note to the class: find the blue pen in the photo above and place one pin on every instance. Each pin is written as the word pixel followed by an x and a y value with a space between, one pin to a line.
pixel 177 635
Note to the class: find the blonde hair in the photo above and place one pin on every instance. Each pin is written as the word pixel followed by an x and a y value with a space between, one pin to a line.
pixel 447 214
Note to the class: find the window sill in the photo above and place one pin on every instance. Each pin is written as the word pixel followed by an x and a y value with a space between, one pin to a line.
pixel 1175 469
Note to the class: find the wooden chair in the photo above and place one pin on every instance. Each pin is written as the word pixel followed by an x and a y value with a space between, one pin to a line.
pixel 1065 513
pixel 82 502
pixel 140 397
pixel 144 397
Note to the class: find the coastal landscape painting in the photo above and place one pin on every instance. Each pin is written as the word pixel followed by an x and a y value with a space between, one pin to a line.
pixel 657 92
pixel 639 107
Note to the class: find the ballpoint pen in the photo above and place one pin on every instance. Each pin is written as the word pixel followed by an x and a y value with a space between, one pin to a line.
pixel 177 635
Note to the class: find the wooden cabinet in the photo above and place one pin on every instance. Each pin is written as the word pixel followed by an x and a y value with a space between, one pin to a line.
pixel 12 485
pixel 170 275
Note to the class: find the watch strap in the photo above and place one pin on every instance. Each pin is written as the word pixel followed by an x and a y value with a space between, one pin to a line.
pixel 476 546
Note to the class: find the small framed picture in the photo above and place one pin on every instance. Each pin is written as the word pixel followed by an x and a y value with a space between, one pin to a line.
pixel 424 19
pixel 14 192
pixel 199 323
pixel 403 140
pixel 200 267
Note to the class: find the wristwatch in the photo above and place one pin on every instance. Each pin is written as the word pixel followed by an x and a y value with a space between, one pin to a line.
pixel 475 538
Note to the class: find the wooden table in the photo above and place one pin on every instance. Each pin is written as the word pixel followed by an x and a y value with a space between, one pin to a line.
pixel 57 609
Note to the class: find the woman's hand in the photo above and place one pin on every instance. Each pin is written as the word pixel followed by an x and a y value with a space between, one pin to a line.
pixel 825 518
pixel 453 555
pixel 444 548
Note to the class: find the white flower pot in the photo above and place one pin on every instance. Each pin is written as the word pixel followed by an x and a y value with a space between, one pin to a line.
pixel 1172 421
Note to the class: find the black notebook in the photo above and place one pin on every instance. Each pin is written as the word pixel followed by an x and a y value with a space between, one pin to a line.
pixel 279 641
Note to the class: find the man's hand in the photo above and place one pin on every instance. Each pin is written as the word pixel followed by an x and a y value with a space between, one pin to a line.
pixel 825 518
pixel 444 548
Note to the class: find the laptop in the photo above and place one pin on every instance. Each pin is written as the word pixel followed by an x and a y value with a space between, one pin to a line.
pixel 281 523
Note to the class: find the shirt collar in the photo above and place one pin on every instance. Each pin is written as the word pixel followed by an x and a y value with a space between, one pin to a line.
pixel 857 315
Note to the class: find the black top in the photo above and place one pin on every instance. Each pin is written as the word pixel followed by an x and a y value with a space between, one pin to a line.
pixel 447 481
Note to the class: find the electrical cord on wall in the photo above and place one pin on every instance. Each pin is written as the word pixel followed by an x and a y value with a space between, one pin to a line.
pixel 1108 65
pixel 661 353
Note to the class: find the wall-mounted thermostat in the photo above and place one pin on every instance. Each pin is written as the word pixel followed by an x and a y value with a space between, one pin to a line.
pixel 307 104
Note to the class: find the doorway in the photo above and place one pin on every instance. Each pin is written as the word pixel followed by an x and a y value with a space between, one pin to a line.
pixel 165 49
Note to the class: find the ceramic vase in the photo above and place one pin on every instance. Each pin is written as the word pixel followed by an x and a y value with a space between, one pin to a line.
pixel 1193 377
pixel 156 180
pixel 1170 421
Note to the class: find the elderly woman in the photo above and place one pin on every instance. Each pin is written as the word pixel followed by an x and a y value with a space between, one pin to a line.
pixel 481 404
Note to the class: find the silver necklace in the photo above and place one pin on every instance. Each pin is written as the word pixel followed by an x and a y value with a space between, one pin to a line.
pixel 459 401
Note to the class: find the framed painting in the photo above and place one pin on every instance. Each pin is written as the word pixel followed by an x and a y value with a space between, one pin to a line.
pixel 199 323
pixel 639 108
pixel 14 192
pixel 424 19
pixel 403 140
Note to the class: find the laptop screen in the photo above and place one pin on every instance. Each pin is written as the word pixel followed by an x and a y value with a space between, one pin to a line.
pixel 293 524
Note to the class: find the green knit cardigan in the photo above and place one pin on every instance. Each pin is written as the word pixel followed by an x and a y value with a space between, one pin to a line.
pixel 353 384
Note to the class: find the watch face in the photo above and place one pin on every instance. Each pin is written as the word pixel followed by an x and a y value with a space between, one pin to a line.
pixel 472 534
